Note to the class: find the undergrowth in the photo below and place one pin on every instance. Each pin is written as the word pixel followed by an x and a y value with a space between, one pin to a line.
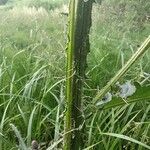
pixel 32 74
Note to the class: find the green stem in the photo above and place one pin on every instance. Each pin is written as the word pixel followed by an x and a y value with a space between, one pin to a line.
pixel 145 45
pixel 78 48
pixel 69 76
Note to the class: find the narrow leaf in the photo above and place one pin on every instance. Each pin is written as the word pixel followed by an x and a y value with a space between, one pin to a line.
pixel 121 136
pixel 21 141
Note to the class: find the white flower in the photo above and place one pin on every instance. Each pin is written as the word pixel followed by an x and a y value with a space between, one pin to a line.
pixel 127 89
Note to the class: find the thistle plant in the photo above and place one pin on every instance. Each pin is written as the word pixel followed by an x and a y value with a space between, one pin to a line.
pixel 77 50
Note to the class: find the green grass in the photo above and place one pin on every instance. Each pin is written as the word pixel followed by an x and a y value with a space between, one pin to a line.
pixel 32 75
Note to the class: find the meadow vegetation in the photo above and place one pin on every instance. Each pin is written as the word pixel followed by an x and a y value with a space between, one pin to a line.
pixel 33 37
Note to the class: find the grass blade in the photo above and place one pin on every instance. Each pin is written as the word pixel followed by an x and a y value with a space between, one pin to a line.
pixel 54 145
pixel 29 132
pixel 121 136
pixel 21 141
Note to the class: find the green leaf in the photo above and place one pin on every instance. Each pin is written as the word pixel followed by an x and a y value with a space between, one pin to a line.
pixel 54 144
pixel 121 136
pixel 143 48
pixel 141 94
pixel 29 131
pixel 21 141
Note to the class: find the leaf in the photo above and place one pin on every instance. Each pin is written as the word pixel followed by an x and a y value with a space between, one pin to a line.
pixel 54 145
pixel 143 48
pixel 92 146
pixel 141 94
pixel 21 141
pixel 121 136
pixel 1 134
pixel 29 131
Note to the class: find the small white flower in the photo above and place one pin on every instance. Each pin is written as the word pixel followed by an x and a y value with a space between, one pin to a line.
pixel 127 89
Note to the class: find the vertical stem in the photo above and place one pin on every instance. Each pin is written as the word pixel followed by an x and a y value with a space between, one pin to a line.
pixel 77 50
pixel 69 77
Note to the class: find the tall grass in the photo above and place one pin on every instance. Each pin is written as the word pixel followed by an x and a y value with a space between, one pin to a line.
pixel 29 71
pixel 32 75
pixel 46 4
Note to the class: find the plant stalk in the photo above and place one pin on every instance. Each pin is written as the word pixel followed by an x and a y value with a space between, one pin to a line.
pixel 77 49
